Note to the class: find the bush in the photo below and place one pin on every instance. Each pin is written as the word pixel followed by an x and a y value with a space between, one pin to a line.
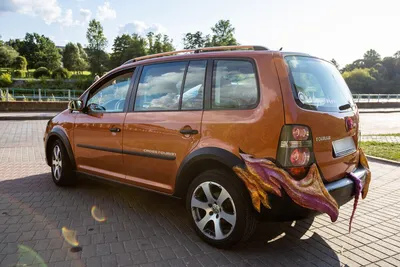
pixel 60 73
pixel 5 80
pixel 20 63
pixel 19 74
pixel 41 72
pixel 3 96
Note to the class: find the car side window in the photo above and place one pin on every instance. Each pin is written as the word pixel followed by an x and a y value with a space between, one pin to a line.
pixel 160 87
pixel 234 85
pixel 111 96
pixel 192 97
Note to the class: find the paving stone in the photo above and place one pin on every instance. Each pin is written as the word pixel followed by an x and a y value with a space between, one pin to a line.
pixel 147 229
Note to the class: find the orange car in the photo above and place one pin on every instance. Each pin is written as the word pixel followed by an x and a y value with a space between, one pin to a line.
pixel 242 133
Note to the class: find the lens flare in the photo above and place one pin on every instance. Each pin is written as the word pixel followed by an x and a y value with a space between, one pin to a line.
pixel 28 256
pixel 97 214
pixel 69 236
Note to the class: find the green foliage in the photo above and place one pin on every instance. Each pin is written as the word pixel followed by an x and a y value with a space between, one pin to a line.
pixel 19 74
pixel 51 99
pixel 5 80
pixel 371 57
pixel 20 63
pixel 159 43
pixel 7 55
pixel 60 73
pixel 126 47
pixel 196 40
pixel 74 57
pixel 223 34
pixel 359 80
pixel 3 95
pixel 38 50
pixel 97 43
pixel 41 72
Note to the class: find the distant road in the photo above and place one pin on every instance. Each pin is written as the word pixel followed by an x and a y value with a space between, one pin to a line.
pixel 380 123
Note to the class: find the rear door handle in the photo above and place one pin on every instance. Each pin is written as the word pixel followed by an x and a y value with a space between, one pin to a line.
pixel 188 131
pixel 115 130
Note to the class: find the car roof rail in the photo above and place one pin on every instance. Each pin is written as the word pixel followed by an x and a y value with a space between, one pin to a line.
pixel 200 50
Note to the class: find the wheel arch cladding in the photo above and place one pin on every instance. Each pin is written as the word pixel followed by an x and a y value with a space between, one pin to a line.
pixel 201 160
pixel 58 134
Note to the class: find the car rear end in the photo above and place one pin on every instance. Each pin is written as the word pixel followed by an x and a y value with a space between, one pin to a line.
pixel 321 126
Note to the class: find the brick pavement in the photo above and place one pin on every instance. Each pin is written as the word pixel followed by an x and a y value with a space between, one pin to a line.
pixel 147 229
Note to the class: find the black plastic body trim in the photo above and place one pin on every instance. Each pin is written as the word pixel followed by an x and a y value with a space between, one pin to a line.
pixel 217 154
pixel 130 152
pixel 149 155
pixel 63 137
pixel 113 150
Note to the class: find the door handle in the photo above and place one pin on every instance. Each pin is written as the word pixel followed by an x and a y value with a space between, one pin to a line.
pixel 115 130
pixel 188 131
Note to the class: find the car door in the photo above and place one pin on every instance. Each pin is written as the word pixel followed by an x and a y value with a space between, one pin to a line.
pixel 164 125
pixel 98 129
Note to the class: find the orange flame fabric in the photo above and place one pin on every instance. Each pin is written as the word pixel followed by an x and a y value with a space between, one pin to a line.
pixel 262 176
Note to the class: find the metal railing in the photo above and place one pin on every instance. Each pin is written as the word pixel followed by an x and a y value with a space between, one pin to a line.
pixel 46 95
pixel 358 98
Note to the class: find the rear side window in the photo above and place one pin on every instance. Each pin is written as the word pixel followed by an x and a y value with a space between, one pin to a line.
pixel 160 87
pixel 234 85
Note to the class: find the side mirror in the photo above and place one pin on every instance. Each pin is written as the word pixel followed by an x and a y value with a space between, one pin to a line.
pixel 75 105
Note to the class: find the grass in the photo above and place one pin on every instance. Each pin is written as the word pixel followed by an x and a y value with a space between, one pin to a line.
pixel 389 134
pixel 382 150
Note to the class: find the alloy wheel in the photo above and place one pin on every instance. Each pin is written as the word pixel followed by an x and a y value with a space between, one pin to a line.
pixel 57 162
pixel 213 210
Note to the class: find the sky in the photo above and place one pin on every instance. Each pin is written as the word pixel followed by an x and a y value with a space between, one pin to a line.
pixel 338 29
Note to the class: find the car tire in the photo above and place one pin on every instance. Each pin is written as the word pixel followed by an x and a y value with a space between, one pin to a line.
pixel 61 167
pixel 223 216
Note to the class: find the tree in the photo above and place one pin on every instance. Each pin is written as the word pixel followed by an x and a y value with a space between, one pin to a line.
pixel 223 34
pixel 7 56
pixel 38 50
pixel 371 57
pixel 389 64
pixel 334 62
pixel 82 52
pixel 126 47
pixel 196 40
pixel 20 63
pixel 71 56
pixel 97 43
pixel 359 80
pixel 159 43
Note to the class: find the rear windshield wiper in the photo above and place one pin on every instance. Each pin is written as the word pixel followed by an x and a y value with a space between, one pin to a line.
pixel 345 106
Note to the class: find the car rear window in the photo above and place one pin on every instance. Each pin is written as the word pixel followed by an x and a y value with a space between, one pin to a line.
pixel 318 85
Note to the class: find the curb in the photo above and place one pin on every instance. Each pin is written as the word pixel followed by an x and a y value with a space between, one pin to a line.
pixel 27 118
pixel 384 161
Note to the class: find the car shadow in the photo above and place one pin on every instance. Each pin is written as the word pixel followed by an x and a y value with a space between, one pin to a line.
pixel 135 214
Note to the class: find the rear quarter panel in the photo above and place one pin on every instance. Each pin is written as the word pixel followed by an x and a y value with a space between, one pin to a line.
pixel 254 131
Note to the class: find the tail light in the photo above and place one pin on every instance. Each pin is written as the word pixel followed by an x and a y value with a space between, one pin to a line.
pixel 295 151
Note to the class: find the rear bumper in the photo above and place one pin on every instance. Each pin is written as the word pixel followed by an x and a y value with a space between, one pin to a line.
pixel 284 209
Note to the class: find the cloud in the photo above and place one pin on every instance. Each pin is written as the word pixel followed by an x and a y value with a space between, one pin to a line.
pixel 85 14
pixel 105 12
pixel 49 10
pixel 7 6
pixel 141 28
